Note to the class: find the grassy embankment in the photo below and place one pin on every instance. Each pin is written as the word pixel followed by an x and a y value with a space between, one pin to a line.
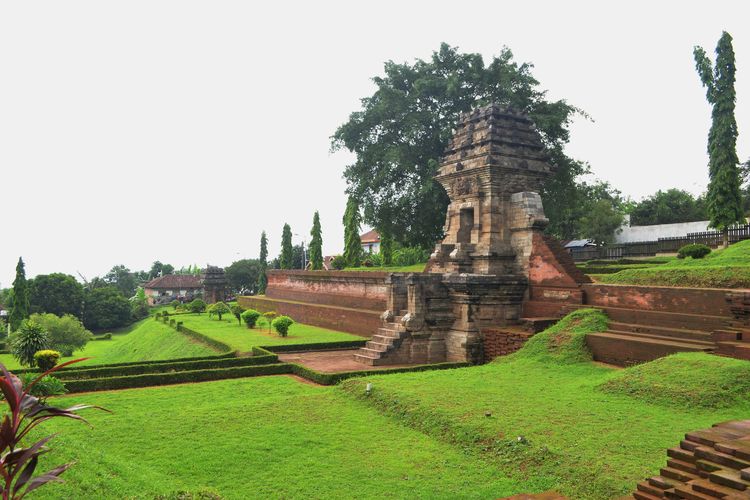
pixel 145 340
pixel 414 268
pixel 727 268
pixel 268 437
pixel 549 416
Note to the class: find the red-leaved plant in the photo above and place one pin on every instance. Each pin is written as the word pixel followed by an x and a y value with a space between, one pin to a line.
pixel 24 413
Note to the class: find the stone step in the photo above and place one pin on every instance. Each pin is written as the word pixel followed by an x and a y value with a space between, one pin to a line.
pixel 382 339
pixel 640 495
pixel 662 331
pixel 701 322
pixel 718 457
pixel 680 454
pixel 367 360
pixel 726 335
pixel 627 350
pixel 536 325
pixel 662 483
pixel 375 346
pixel 701 343
pixel 388 332
pixel 729 478
pixel 712 489
pixel 686 491
pixel 713 436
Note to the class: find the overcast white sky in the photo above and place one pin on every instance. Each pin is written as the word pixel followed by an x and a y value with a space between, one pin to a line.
pixel 178 130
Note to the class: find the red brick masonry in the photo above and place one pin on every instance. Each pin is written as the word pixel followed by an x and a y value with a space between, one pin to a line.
pixel 503 341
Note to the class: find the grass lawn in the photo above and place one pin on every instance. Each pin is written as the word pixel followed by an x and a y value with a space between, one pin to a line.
pixel 588 431
pixel 243 338
pixel 268 437
pixel 143 341
pixel 726 268
pixel 414 268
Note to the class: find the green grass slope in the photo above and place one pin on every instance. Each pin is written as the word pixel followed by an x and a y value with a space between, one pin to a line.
pixel 145 340
pixel 688 379
pixel 269 437
pixel 239 337
pixel 726 268
pixel 541 415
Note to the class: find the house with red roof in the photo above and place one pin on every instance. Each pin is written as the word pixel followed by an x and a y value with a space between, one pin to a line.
pixel 370 241
pixel 165 289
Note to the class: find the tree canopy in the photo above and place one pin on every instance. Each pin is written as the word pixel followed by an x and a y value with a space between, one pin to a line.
pixel 106 308
pixel 244 274
pixel 668 207
pixel 56 293
pixel 404 127
pixel 723 198
pixel 123 279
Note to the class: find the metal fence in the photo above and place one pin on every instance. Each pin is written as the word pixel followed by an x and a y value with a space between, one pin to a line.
pixel 663 245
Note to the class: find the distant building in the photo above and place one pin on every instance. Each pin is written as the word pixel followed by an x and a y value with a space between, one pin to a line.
pixel 578 244
pixel 165 289
pixel 633 234
pixel 371 241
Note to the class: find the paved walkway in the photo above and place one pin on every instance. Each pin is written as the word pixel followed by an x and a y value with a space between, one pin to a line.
pixel 331 361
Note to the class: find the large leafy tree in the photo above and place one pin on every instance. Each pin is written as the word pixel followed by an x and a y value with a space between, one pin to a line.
pixel 352 226
pixel 21 306
pixel 56 293
pixel 404 127
pixel 105 308
pixel 723 198
pixel 159 269
pixel 316 244
pixel 262 278
pixel 244 275
pixel 667 207
pixel 286 258
pixel 123 279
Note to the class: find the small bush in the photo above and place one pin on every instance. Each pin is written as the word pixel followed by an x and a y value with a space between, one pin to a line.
pixel 47 386
pixel 237 310
pixel 338 262
pixel 219 309
pixel 250 317
pixel 174 304
pixel 30 338
pixel 694 250
pixel 269 316
pixel 46 359
pixel 197 306
pixel 282 324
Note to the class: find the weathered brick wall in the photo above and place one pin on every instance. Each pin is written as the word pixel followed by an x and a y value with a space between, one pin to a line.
pixel 709 301
pixel 357 290
pixel 501 342
pixel 357 321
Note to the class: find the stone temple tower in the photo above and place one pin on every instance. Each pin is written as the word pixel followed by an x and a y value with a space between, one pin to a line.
pixel 479 275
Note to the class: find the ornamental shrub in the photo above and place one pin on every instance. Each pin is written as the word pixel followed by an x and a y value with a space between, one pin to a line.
pixel 694 250
pixel 269 316
pixel 66 333
pixel 282 324
pixel 338 262
pixel 250 317
pixel 219 309
pixel 237 310
pixel 47 386
pixel 30 338
pixel 46 359
pixel 174 304
pixel 197 306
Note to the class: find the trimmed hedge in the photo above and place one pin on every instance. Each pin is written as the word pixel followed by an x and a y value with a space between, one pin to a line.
pixel 213 343
pixel 153 379
pixel 106 336
pixel 208 364
pixel 335 378
pixel 321 346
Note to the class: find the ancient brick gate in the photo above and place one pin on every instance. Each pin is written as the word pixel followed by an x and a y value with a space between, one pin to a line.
pixel 480 274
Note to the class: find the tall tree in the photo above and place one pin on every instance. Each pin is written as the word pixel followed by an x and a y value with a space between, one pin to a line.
pixel 286 258
pixel 20 309
pixel 243 276
pixel 352 226
pixel 316 244
pixel 262 278
pixel 403 129
pixel 723 198
pixel 386 247
pixel 121 278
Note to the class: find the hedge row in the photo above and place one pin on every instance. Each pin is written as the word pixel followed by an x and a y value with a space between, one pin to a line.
pixel 321 346
pixel 213 343
pixel 153 379
pixel 335 378
pixel 208 364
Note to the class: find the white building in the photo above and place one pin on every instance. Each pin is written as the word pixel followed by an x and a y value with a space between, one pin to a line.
pixel 633 234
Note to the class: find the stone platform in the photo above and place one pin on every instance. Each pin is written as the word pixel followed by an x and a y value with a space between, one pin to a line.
pixel 330 361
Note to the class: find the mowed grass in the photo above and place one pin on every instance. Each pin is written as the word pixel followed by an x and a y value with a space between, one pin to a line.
pixel 554 418
pixel 268 437
pixel 242 338
pixel 145 340
pixel 724 268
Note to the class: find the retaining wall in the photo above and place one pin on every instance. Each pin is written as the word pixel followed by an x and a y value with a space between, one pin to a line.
pixel 356 289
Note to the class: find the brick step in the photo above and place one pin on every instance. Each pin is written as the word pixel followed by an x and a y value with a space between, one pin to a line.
pixel 679 333
pixel 627 349
pixel 649 488
pixel 662 483
pixel 686 491
pixel 367 359
pixel 382 339
pixel 726 334
pixel 729 478
pixel 713 490
pixel 681 454
pixel 725 459
pixel 538 324
pixel 683 466
pixel 739 350
pixel 640 495
pixel 713 436
pixel 701 343
pixel 677 474
pixel 388 332
pixel 666 319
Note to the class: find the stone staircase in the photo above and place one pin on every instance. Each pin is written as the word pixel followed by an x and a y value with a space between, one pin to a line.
pixel 388 339
pixel 708 464
pixel 637 336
